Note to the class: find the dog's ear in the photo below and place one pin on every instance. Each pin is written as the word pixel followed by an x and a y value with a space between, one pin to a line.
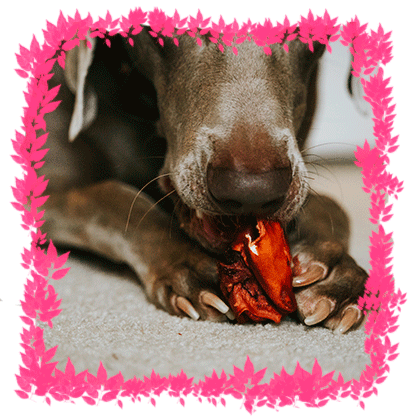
pixel 78 61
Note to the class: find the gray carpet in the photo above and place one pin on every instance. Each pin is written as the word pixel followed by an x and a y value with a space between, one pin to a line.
pixel 106 317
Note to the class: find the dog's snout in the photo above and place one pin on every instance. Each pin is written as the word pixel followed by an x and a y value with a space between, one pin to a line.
pixel 239 192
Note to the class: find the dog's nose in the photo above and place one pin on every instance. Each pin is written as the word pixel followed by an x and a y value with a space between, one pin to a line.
pixel 243 192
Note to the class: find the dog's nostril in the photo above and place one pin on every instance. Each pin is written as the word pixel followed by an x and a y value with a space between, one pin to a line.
pixel 273 204
pixel 243 192
pixel 232 204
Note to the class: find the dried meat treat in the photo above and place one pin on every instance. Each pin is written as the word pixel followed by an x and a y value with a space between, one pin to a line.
pixel 256 276
pixel 244 294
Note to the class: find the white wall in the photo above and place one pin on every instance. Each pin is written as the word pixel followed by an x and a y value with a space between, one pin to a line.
pixel 340 118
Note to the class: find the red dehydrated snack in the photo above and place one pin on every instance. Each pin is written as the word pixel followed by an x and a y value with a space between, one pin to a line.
pixel 256 277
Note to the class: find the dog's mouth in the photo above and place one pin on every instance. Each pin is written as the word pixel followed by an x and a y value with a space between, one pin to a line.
pixel 215 232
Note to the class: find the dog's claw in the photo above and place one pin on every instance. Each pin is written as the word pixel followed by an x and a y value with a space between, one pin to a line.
pixel 315 272
pixel 211 299
pixel 230 315
pixel 186 307
pixel 322 310
pixel 332 283
pixel 351 316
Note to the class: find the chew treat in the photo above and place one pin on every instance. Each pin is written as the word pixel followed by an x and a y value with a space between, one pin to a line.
pixel 256 276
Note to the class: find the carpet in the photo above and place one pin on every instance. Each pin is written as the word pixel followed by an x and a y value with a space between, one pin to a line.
pixel 106 317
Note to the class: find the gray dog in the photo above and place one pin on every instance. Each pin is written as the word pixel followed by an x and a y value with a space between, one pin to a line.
pixel 145 133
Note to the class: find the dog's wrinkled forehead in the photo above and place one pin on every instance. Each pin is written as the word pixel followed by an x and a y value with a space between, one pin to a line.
pixel 201 86
pixel 250 60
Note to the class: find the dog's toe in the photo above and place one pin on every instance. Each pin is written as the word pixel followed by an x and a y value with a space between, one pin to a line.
pixel 210 299
pixel 185 306
pixel 322 310
pixel 217 309
pixel 308 271
pixel 191 289
pixel 350 317
pixel 327 293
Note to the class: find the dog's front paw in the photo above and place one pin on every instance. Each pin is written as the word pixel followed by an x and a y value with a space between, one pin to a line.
pixel 190 288
pixel 327 284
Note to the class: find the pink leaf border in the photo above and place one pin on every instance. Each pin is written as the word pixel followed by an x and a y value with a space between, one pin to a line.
pixel 39 376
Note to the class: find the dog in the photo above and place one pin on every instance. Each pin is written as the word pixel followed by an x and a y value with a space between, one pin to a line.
pixel 158 153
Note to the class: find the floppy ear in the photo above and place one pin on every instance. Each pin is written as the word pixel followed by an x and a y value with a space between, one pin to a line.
pixel 78 61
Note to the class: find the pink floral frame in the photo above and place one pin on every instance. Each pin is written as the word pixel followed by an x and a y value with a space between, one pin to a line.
pixel 39 376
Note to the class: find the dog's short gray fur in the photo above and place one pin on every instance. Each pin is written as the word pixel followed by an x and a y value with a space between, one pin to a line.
pixel 129 114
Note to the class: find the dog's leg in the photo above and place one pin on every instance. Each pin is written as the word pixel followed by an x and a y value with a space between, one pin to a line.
pixel 177 276
pixel 327 281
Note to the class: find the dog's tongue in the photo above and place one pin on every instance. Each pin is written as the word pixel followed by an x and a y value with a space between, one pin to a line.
pixel 258 282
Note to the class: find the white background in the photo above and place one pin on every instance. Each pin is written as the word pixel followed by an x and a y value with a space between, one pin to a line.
pixel 341 121
pixel 399 393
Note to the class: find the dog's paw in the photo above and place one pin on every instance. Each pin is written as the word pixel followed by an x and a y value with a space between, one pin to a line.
pixel 327 284
pixel 190 288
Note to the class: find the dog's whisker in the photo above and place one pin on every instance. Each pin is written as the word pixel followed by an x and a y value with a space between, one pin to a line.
pixel 154 205
pixel 324 159
pixel 327 144
pixel 337 182
pixel 313 191
pixel 314 164
pixel 305 156
pixel 329 159
pixel 172 217
pixel 138 194
pixel 317 175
